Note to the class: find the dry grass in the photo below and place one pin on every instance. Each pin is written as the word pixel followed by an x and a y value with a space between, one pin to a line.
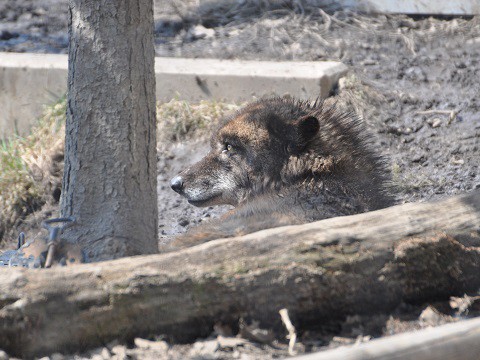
pixel 25 166
pixel 179 120
pixel 31 167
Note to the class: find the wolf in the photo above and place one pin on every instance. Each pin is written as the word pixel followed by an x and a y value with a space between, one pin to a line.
pixel 282 161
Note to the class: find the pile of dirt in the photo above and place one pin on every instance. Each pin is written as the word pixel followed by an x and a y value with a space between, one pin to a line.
pixel 413 79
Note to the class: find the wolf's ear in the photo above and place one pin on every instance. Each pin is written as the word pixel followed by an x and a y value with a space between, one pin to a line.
pixel 307 128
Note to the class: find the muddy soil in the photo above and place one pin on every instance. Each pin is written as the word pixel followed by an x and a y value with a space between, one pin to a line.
pixel 415 80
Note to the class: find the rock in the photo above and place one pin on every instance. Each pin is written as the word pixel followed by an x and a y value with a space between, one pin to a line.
pixel 3 355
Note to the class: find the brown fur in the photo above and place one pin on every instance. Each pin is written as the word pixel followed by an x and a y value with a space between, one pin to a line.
pixel 280 162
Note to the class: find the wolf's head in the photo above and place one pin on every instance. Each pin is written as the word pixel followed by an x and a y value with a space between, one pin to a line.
pixel 274 143
pixel 248 152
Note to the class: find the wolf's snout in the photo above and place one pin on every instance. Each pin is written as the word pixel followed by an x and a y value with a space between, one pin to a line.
pixel 177 184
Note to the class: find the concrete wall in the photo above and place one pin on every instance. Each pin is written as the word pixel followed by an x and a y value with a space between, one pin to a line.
pixel 29 81
pixel 421 7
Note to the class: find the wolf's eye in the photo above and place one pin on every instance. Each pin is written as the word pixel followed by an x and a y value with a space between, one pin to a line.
pixel 227 148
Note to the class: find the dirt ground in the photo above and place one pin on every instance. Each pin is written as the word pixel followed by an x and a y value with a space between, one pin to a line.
pixel 415 80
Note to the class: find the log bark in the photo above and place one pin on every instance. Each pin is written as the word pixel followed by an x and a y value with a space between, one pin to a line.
pixel 110 177
pixel 362 264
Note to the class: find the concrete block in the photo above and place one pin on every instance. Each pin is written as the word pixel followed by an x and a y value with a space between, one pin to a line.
pixel 236 80
pixel 29 81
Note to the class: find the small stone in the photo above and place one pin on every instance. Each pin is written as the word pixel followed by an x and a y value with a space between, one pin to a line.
pixel 419 158
pixel 106 353
pixel 3 355
pixel 230 342
pixel 25 17
pixel 200 32
pixel 254 333
pixel 39 11
pixel 183 222
pixel 223 330
pixel 463 304
pixel 100 354
pixel 457 161
pixel 205 349
pixel 7 35
pixel 153 345
pixel 120 352
pixel 436 123
pixel 57 356
pixel 430 317
pixel 473 41
pixel 369 62
pixel 112 344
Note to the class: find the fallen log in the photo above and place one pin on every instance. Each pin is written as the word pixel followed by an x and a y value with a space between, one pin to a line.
pixel 361 264
pixel 447 342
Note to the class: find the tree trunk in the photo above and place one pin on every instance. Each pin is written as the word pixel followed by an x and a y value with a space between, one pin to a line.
pixel 362 264
pixel 109 183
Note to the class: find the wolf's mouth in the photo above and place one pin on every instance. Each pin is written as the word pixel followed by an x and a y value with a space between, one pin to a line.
pixel 198 203
pixel 212 200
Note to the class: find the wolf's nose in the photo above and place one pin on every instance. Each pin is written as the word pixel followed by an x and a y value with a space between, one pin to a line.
pixel 177 184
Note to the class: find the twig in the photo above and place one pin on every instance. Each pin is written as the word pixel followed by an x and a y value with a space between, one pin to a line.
pixel 292 335
pixel 326 19
pixel 452 113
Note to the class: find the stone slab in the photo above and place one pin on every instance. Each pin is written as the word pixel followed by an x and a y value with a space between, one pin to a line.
pixel 29 81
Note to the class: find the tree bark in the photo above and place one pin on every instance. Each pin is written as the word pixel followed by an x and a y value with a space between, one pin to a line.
pixel 109 182
pixel 362 264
